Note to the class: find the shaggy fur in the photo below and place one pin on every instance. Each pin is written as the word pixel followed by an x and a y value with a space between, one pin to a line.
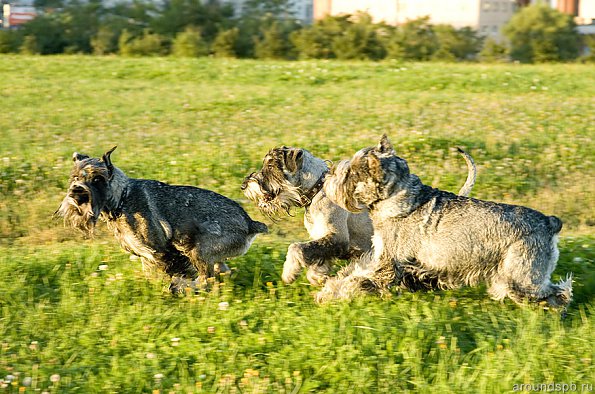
pixel 292 177
pixel 429 238
pixel 183 231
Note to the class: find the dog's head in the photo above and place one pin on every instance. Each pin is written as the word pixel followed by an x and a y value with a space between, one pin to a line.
pixel 276 187
pixel 88 191
pixel 372 174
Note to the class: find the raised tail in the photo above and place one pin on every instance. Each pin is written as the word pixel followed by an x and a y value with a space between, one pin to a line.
pixel 555 224
pixel 471 175
pixel 258 228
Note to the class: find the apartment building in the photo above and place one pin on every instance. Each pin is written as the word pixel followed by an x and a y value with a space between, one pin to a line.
pixel 486 16
pixel 300 9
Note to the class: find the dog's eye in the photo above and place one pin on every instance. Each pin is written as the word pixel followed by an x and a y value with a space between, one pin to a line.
pixel 97 179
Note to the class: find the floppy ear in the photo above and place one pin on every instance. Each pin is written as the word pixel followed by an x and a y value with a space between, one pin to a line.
pixel 385 146
pixel 78 157
pixel 108 161
pixel 293 158
pixel 375 167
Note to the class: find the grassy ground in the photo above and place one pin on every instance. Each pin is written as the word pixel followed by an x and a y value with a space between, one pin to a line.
pixel 80 316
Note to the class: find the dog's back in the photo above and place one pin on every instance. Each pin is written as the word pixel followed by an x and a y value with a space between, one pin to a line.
pixel 181 203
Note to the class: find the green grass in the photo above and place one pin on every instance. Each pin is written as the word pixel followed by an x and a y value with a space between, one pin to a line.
pixel 209 123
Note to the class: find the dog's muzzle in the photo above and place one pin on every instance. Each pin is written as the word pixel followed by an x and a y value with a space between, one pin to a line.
pixel 252 185
pixel 80 194
pixel 247 180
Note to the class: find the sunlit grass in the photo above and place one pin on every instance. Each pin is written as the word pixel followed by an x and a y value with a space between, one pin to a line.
pixel 80 316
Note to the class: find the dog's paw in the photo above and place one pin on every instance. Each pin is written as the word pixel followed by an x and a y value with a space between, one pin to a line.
pixel 294 262
pixel 317 275
pixel 221 268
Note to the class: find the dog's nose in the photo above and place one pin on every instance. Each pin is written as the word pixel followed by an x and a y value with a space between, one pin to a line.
pixel 246 180
pixel 78 190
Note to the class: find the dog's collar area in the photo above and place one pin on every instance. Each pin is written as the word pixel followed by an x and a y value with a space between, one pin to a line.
pixel 116 212
pixel 310 194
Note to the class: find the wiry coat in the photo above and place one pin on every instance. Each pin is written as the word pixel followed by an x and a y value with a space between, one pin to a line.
pixel 429 238
pixel 286 178
pixel 182 230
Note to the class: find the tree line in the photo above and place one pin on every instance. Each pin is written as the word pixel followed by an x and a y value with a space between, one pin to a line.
pixel 267 30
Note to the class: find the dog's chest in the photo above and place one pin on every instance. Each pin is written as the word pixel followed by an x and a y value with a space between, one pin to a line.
pixel 132 239
pixel 316 226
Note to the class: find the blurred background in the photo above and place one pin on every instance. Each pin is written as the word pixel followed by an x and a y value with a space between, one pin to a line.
pixel 486 30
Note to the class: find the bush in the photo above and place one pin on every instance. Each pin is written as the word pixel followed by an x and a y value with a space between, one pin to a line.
pixel 493 52
pixel 10 41
pixel 148 44
pixel 589 45
pixel 30 46
pixel 315 42
pixel 47 34
pixel 456 44
pixel 359 40
pixel 105 41
pixel 225 43
pixel 540 34
pixel 189 43
pixel 414 40
pixel 273 44
pixel 342 37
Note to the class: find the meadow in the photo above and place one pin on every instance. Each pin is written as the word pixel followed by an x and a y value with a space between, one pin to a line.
pixel 79 316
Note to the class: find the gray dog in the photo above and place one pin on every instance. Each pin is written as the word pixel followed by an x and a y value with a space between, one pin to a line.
pixel 293 177
pixel 182 230
pixel 425 237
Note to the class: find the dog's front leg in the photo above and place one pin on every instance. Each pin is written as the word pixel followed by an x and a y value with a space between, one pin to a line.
pixel 316 256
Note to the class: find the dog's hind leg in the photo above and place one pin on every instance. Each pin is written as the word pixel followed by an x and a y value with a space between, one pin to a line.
pixel 525 275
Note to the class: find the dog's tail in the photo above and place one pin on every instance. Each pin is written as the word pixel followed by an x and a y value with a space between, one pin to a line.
pixel 555 224
pixel 471 174
pixel 258 228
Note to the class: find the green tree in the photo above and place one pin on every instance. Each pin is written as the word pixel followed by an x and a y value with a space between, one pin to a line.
pixel 189 43
pixel 264 23
pixel 10 41
pixel 539 33
pixel 130 17
pixel 455 44
pixel 315 41
pixel 48 33
pixel 359 40
pixel 80 21
pixel 413 40
pixel 273 44
pixel 176 15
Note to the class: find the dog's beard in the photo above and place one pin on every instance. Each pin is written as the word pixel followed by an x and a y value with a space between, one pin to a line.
pixel 80 210
pixel 280 198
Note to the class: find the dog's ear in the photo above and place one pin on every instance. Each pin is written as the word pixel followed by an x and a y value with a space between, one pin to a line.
pixel 108 161
pixel 385 146
pixel 293 158
pixel 78 157
pixel 375 167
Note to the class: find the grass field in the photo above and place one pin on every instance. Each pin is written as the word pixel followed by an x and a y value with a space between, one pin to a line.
pixel 80 316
